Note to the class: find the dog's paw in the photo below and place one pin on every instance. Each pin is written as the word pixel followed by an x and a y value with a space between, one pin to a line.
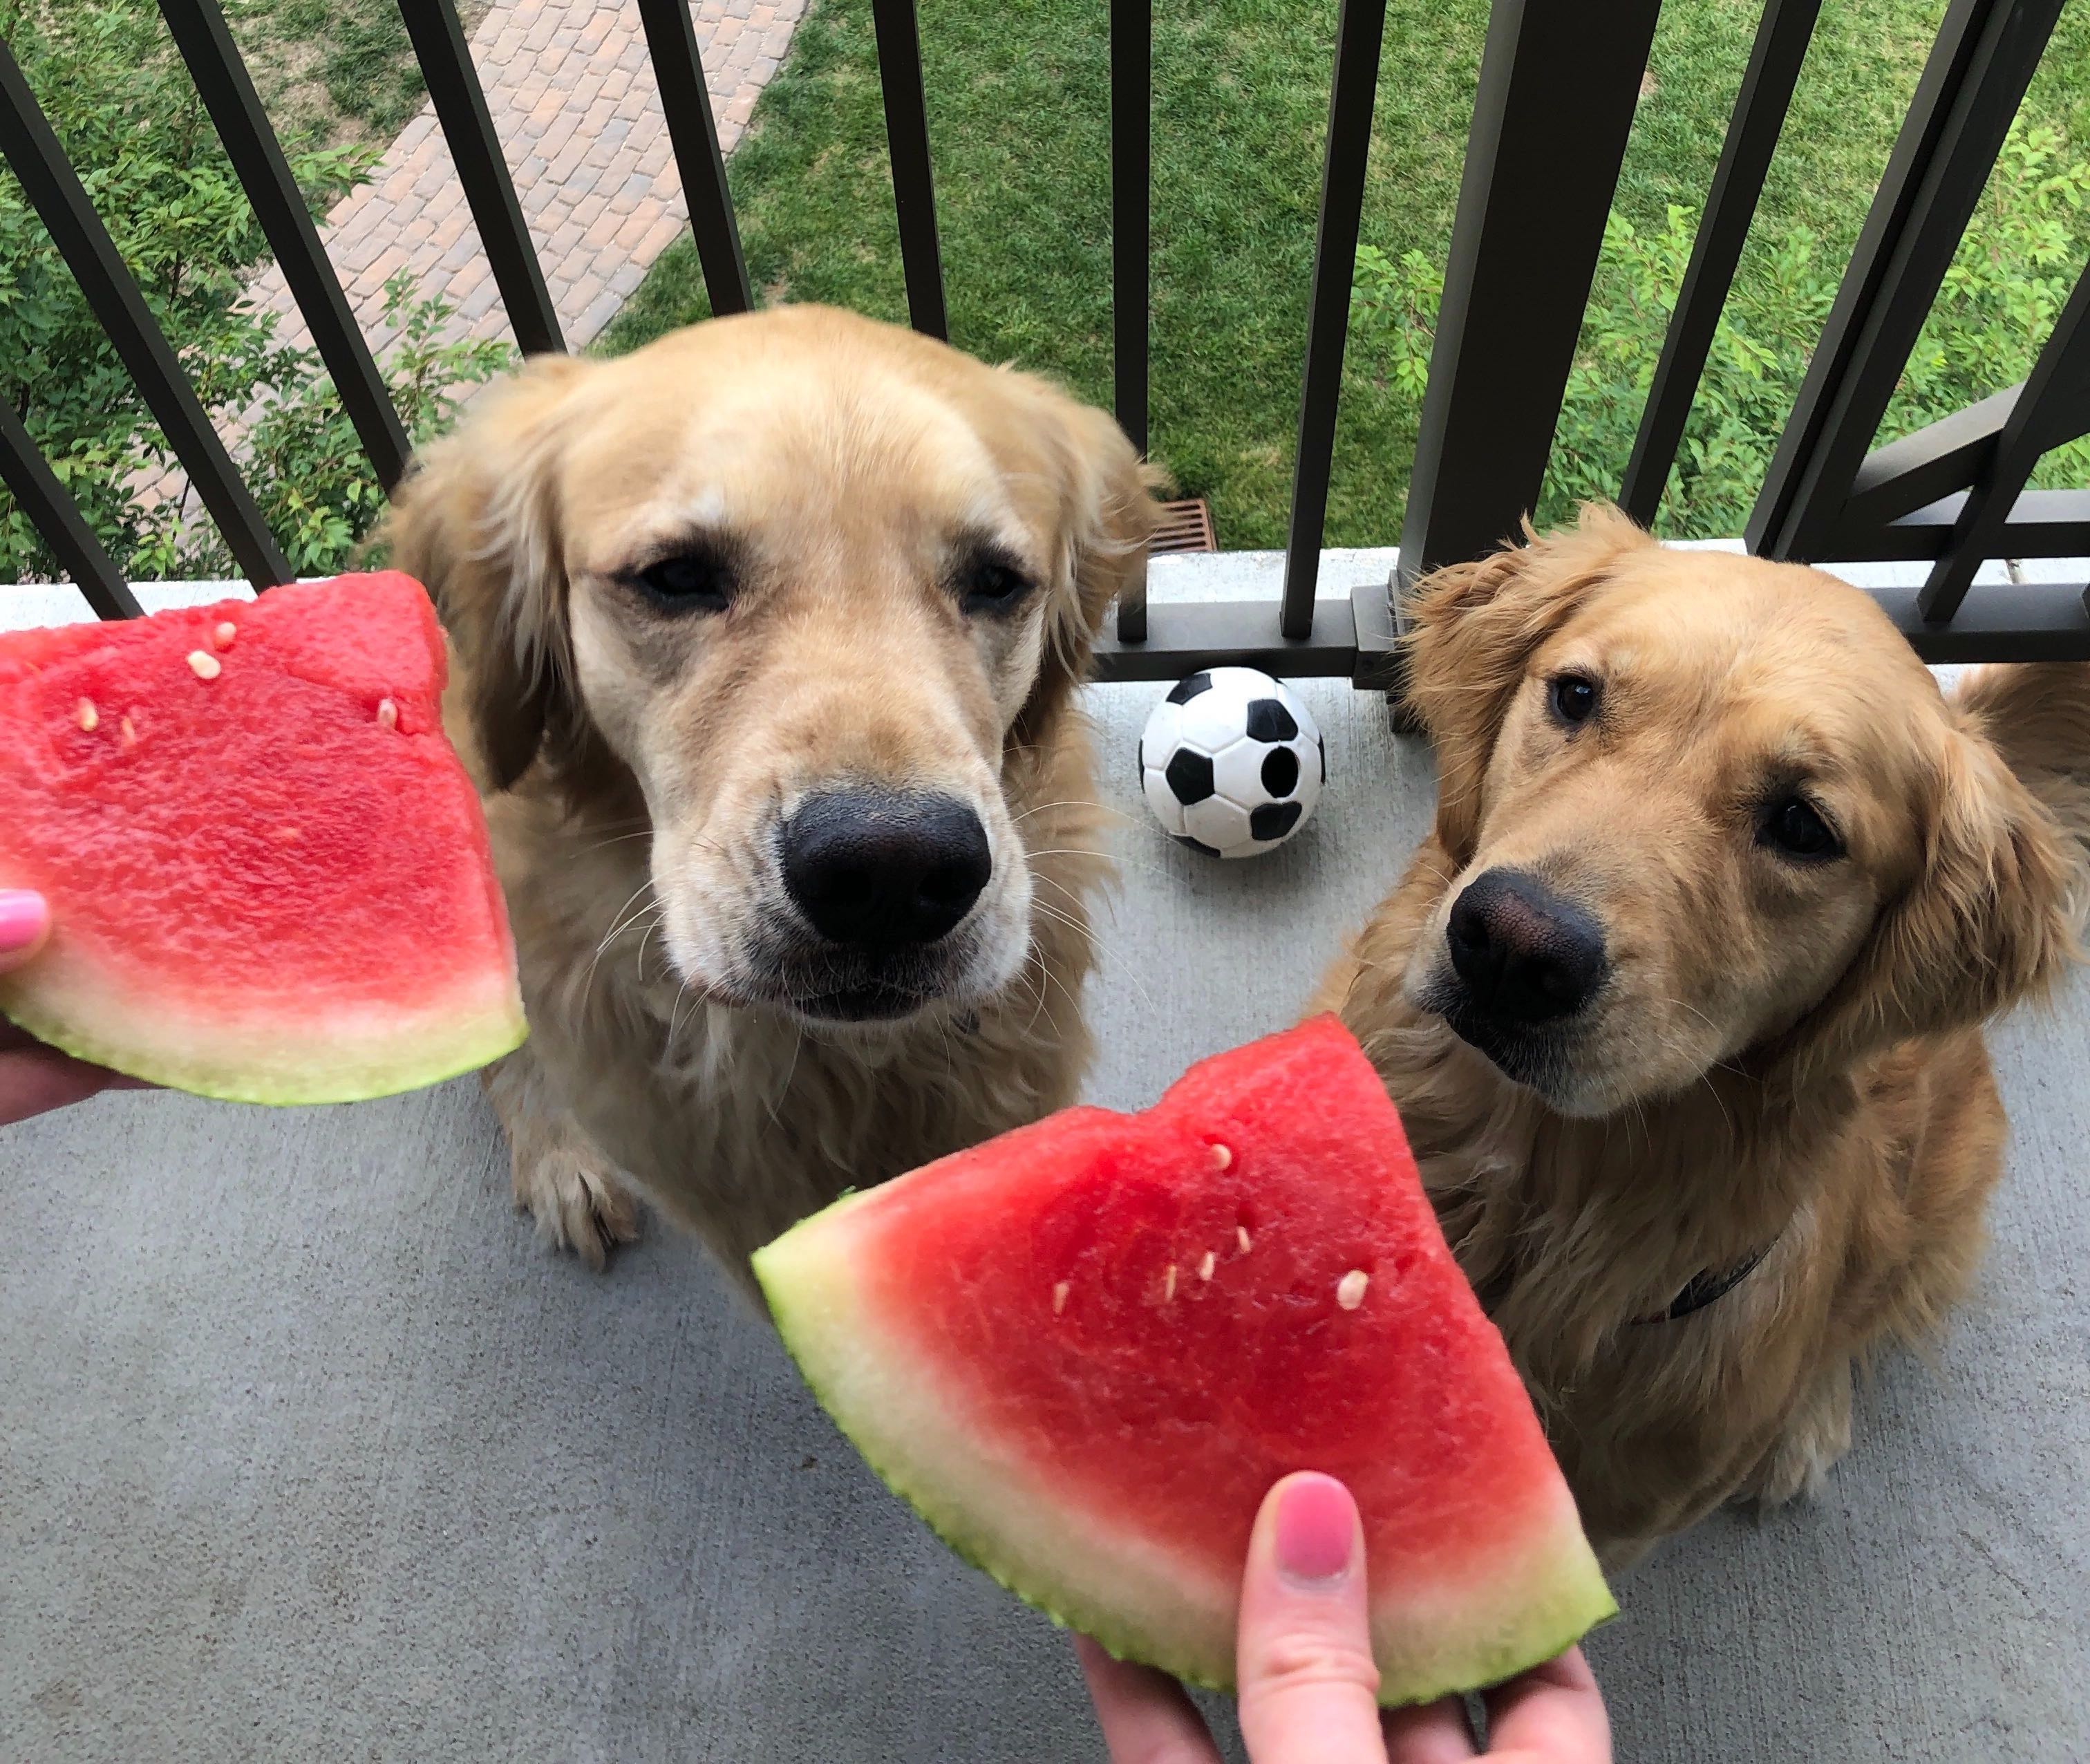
pixel 1792 1472
pixel 578 1205
pixel 1797 1467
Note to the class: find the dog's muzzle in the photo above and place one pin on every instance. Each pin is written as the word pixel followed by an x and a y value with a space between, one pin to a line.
pixel 1525 963
pixel 878 881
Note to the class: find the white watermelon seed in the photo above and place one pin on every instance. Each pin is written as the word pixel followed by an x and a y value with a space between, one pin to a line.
pixel 129 734
pixel 1350 1289
pixel 1221 1158
pixel 1168 1285
pixel 388 714
pixel 1242 1238
pixel 203 664
pixel 87 716
pixel 222 633
pixel 1059 1298
pixel 1205 1267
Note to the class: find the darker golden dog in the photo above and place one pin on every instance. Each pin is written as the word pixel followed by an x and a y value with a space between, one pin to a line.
pixel 765 637
pixel 1682 1001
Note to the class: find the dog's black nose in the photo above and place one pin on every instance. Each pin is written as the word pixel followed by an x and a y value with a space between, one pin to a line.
pixel 879 869
pixel 1526 954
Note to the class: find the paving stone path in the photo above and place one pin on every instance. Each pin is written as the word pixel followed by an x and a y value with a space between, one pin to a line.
pixel 574 102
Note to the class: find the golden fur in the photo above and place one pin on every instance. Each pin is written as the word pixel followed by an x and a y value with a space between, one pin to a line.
pixel 1784 1056
pixel 635 763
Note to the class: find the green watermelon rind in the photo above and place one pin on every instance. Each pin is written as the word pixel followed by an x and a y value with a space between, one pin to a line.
pixel 1580 1599
pixel 1100 1627
pixel 425 1056
pixel 96 1009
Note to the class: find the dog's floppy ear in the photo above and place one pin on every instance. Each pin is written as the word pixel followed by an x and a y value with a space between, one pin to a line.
pixel 1471 629
pixel 477 520
pixel 1989 921
pixel 1107 516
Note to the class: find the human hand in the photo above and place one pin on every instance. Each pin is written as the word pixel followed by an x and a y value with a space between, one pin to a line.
pixel 1309 1689
pixel 34 1078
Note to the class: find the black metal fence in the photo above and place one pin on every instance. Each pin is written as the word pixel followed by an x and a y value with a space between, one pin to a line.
pixel 1558 82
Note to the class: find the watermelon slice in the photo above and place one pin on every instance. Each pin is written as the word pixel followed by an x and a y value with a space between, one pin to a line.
pixel 1085 1350
pixel 268 872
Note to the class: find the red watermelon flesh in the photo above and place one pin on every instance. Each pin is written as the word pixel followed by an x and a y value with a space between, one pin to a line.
pixel 1085 1350
pixel 269 874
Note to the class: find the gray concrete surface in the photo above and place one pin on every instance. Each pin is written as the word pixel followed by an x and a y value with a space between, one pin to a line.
pixel 309 1453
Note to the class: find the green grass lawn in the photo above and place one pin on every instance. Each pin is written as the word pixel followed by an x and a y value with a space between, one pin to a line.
pixel 335 70
pixel 1018 106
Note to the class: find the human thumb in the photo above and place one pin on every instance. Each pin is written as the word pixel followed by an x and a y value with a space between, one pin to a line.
pixel 25 921
pixel 1309 1689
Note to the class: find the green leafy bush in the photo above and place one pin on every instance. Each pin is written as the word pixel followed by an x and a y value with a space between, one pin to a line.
pixel 145 148
pixel 2012 273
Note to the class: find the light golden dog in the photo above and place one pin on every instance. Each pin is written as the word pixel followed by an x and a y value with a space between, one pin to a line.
pixel 1681 1001
pixel 764 640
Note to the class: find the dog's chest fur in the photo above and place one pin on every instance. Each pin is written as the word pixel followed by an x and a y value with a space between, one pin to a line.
pixel 736 1122
pixel 1574 1233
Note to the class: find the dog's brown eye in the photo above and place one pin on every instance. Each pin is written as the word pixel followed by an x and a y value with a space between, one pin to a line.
pixel 990 584
pixel 1573 697
pixel 1795 827
pixel 692 582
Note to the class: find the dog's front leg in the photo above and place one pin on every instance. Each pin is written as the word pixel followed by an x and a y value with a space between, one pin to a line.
pixel 574 1191
pixel 1815 1435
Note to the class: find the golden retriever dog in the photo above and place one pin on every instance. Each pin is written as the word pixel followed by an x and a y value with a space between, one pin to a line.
pixel 1681 1002
pixel 764 641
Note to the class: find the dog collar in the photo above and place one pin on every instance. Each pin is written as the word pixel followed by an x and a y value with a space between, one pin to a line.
pixel 1701 1289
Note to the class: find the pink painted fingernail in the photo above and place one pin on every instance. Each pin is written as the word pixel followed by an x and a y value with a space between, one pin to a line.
pixel 1316 1529
pixel 23 918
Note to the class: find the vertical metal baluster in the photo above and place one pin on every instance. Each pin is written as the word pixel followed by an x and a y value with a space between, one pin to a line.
pixel 686 100
pixel 51 511
pixel 1986 53
pixel 907 140
pixel 1360 25
pixel 1558 83
pixel 1783 36
pixel 198 28
pixel 460 102
pixel 54 191
pixel 1132 99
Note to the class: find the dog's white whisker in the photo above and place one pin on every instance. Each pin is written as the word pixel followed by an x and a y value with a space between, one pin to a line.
pixel 1070 802
pixel 614 839
pixel 1065 988
pixel 1097 947
pixel 617 925
pixel 658 919
pixel 675 1011
pixel 790 1071
pixel 1044 880
pixel 1106 857
pixel 1059 915
pixel 1036 961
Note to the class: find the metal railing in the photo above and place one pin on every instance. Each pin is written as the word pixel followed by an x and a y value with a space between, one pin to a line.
pixel 1559 83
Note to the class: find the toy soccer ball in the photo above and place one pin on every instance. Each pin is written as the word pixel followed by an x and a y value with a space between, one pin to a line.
pixel 1230 762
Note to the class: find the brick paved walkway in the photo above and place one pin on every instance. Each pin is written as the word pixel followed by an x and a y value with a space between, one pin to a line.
pixel 573 99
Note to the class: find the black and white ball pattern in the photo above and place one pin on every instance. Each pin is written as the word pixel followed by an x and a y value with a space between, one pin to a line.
pixel 1230 762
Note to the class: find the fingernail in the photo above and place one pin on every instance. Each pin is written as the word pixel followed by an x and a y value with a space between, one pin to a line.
pixel 1316 1529
pixel 22 918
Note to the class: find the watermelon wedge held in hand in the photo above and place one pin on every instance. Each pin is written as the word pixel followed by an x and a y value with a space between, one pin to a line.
pixel 1085 1350
pixel 268 872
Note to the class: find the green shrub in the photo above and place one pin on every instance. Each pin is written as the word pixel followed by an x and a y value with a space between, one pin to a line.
pixel 2012 273
pixel 145 148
